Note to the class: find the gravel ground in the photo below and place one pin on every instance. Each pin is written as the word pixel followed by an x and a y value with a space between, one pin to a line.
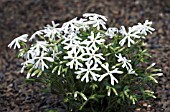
pixel 18 17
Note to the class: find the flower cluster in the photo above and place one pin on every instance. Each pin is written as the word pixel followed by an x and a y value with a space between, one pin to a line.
pixel 82 52
pixel 84 59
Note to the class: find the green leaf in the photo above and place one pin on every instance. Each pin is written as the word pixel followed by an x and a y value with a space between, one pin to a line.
pixel 114 90
pixel 93 86
pixel 108 54
pixel 59 70
pixel 65 70
pixel 153 79
pixel 39 74
pixel 54 69
pixel 120 50
pixel 21 53
pixel 84 97
pixel 35 72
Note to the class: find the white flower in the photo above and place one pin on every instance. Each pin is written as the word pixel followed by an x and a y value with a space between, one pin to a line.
pixel 70 25
pixel 144 28
pixel 96 20
pixel 40 45
pixel 74 57
pixel 111 32
pixel 50 33
pixel 40 61
pixel 126 63
pixel 54 25
pixel 16 41
pixel 77 45
pixel 93 55
pixel 128 36
pixel 110 73
pixel 71 38
pixel 88 71
pixel 94 40
pixel 80 24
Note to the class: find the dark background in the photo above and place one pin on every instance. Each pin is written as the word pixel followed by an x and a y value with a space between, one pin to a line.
pixel 26 16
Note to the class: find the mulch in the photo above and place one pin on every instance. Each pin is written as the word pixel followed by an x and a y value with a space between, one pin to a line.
pixel 18 17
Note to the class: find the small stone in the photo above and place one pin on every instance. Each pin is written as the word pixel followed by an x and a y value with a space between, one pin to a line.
pixel 138 109
pixel 148 107
pixel 160 31
pixel 145 104
pixel 161 14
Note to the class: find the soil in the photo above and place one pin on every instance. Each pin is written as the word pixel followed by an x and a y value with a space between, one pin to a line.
pixel 18 17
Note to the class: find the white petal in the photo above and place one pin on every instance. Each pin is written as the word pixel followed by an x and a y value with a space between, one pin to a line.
pixel 102 77
pixel 113 79
pixel 49 59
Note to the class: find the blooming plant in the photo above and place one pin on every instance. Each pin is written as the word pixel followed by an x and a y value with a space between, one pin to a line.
pixel 94 68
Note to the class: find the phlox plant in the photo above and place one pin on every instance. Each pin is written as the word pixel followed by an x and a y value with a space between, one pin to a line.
pixel 92 67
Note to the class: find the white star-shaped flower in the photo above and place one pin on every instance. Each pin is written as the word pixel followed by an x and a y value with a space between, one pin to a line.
pixel 74 46
pixel 111 32
pixel 53 26
pixel 86 72
pixel 70 25
pixel 39 61
pixel 110 73
pixel 52 31
pixel 96 20
pixel 128 35
pixel 92 53
pixel 144 28
pixel 93 40
pixel 15 43
pixel 126 62
pixel 71 38
pixel 40 46
pixel 48 31
pixel 74 59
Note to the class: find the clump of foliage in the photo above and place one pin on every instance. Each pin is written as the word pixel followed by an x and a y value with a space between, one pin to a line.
pixel 93 68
